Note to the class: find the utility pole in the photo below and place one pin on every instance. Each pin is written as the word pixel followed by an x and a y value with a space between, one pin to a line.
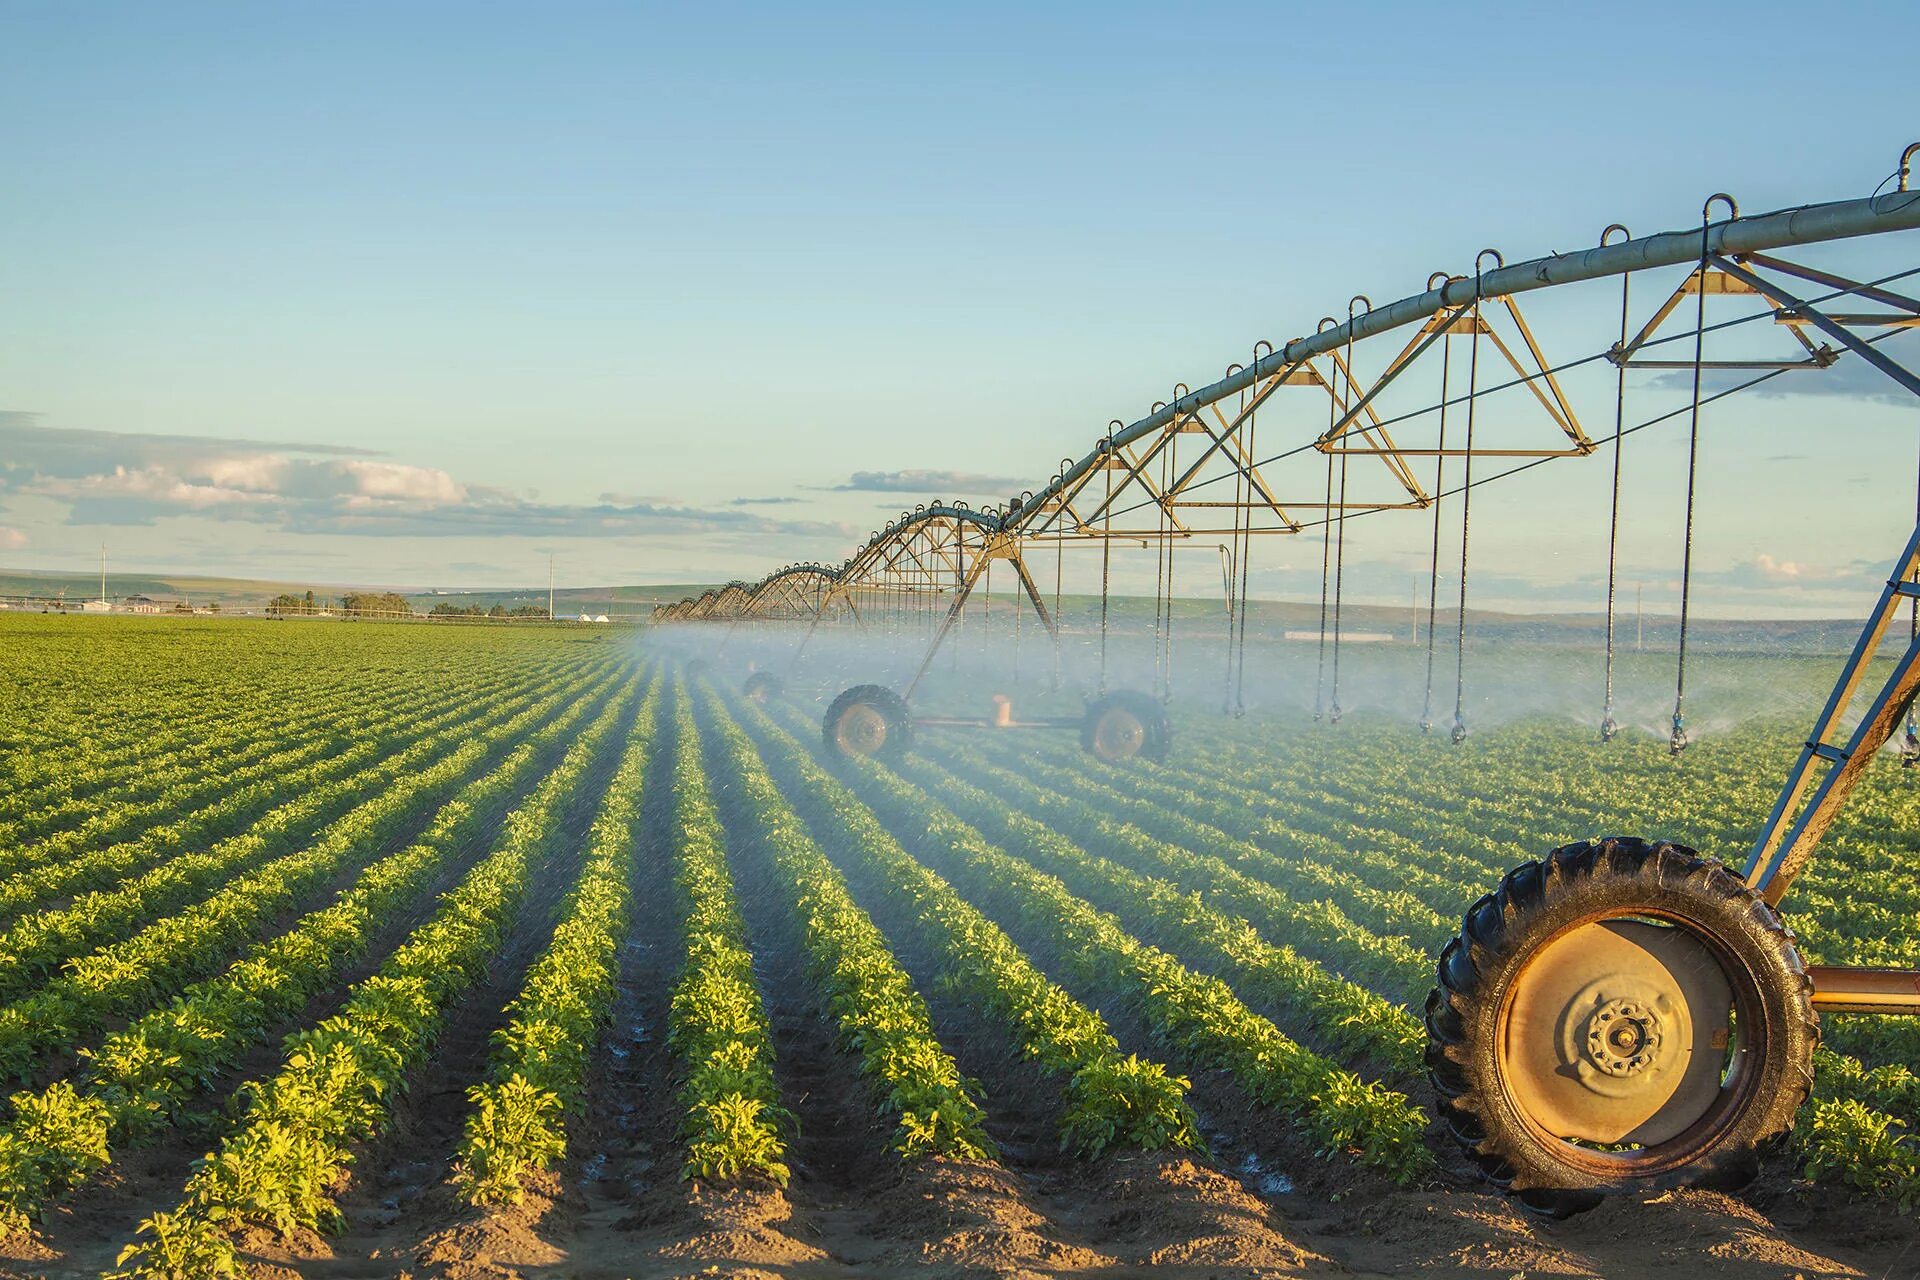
pixel 103 573
pixel 549 586
pixel 1639 618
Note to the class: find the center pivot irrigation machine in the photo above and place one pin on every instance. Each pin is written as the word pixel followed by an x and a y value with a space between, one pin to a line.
pixel 1623 1013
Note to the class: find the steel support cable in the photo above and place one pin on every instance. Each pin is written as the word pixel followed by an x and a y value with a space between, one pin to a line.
pixel 1566 366
pixel 1677 739
pixel 1801 224
pixel 1608 725
pixel 1657 420
pixel 1433 558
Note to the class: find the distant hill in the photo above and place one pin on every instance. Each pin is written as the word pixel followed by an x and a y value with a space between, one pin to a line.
pixel 241 594
pixel 1195 617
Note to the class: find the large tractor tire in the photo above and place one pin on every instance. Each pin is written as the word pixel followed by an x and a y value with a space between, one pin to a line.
pixel 762 686
pixel 1621 1016
pixel 1125 726
pixel 868 720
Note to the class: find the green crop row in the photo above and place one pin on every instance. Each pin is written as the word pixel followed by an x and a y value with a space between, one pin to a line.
pixel 1242 880
pixel 539 1061
pixel 1195 1014
pixel 1308 999
pixel 1113 1100
pixel 37 944
pixel 1869 1108
pixel 732 1121
pixel 101 802
pixel 141 1078
pixel 299 1128
pixel 867 995
pixel 156 961
pixel 341 751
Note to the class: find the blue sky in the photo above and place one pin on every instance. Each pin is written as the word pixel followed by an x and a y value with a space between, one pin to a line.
pixel 419 293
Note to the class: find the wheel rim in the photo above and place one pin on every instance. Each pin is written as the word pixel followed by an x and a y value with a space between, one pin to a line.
pixel 861 730
pixel 1118 734
pixel 1631 1034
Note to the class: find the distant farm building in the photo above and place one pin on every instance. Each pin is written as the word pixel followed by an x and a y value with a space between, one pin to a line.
pixel 140 604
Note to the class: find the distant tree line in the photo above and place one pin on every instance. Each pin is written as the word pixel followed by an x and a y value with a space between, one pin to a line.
pixel 447 610
pixel 352 604
pixel 288 603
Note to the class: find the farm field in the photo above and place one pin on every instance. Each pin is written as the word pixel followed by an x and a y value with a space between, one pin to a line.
pixel 373 951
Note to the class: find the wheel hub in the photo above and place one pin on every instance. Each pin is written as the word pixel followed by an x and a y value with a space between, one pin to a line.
pixel 861 730
pixel 1635 1056
pixel 1623 1037
pixel 1118 735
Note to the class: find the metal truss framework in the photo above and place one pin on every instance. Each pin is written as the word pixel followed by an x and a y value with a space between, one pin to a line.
pixel 1194 469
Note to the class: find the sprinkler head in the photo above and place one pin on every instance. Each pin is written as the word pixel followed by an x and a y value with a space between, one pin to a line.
pixel 1459 729
pixel 1608 726
pixel 1677 741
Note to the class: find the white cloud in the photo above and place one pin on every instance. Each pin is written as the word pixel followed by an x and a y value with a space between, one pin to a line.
pixel 112 478
pixel 930 483
pixel 262 473
pixel 1787 570
pixel 157 485
pixel 400 482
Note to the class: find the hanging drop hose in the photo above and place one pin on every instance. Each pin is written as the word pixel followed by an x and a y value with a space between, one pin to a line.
pixel 1339 578
pixel 1246 552
pixel 1677 740
pixel 1159 559
pixel 1608 725
pixel 1433 559
pixel 1059 572
pixel 1340 534
pixel 1106 550
pixel 1459 731
pixel 1228 561
pixel 1167 474
pixel 1326 570
pixel 1018 619
pixel 1910 742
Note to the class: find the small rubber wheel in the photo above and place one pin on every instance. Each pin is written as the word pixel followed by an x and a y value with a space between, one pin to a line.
pixel 868 720
pixel 1621 1016
pixel 1126 726
pixel 762 686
